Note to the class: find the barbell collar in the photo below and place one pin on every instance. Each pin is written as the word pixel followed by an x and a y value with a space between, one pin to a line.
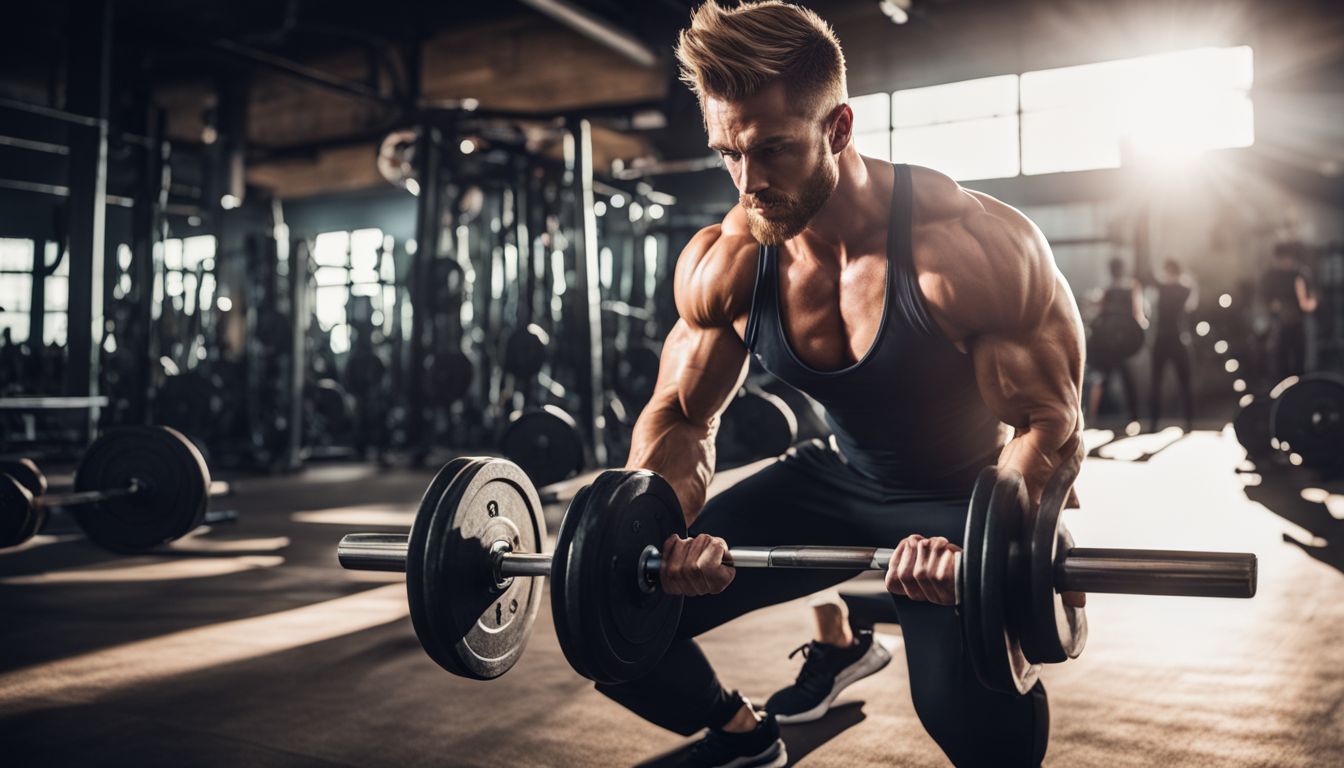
pixel 1157 572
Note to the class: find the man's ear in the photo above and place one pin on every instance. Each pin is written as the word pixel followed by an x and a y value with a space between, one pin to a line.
pixel 840 128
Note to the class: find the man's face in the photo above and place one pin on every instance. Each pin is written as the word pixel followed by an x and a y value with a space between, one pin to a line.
pixel 780 160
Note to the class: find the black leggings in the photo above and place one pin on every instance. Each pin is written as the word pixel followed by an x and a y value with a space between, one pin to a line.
pixel 810 496
pixel 1174 351
pixel 1290 350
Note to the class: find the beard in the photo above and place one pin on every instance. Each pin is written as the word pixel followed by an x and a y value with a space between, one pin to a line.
pixel 789 214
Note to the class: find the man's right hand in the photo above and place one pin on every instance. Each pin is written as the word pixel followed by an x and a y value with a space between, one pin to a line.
pixel 695 566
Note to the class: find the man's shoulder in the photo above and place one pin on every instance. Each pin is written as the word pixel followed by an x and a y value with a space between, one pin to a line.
pixel 980 262
pixel 716 272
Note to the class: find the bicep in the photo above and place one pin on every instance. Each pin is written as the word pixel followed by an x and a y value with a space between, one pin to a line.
pixel 1034 376
pixel 700 370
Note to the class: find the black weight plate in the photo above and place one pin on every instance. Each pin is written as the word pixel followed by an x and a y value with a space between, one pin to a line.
pixel 20 518
pixel 27 473
pixel 569 634
pixel 755 425
pixel 1049 630
pixel 450 376
pixel 968 575
pixel 616 630
pixel 525 352
pixel 174 478
pixel 1113 338
pixel 1002 575
pixel 546 443
pixel 467 623
pixel 1252 427
pixel 1308 419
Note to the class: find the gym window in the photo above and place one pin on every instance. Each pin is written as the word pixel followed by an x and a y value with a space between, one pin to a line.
pixel 16 291
pixel 1153 107
pixel 967 130
pixel 188 274
pixel 358 263
pixel 1077 118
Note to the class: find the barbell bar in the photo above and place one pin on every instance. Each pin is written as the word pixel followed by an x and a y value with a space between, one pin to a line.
pixel 1111 571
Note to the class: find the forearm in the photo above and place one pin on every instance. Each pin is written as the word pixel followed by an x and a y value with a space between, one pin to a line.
pixel 1049 437
pixel 679 449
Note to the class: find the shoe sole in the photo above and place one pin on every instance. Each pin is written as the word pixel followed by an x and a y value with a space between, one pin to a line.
pixel 872 661
pixel 763 759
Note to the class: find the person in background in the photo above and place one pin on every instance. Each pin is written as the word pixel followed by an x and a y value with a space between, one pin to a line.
pixel 1289 297
pixel 1177 295
pixel 1124 296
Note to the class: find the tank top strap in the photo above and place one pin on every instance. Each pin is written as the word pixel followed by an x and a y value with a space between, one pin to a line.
pixel 902 279
pixel 761 295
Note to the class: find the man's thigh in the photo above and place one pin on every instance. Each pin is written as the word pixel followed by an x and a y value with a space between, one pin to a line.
pixel 794 500
pixel 812 498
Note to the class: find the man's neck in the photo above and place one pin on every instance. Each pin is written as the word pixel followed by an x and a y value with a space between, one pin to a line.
pixel 856 213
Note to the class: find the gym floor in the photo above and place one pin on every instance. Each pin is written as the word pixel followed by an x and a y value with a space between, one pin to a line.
pixel 248 645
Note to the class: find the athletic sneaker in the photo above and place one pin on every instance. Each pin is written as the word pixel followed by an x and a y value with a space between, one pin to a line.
pixel 759 748
pixel 827 670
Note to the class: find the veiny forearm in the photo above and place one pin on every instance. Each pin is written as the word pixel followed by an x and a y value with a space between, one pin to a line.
pixel 665 441
pixel 1037 449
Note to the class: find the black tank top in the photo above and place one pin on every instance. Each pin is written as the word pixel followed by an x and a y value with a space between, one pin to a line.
pixel 1279 288
pixel 1118 300
pixel 909 413
pixel 1171 316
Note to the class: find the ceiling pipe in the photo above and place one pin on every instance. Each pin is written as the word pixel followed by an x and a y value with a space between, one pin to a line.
pixel 596 28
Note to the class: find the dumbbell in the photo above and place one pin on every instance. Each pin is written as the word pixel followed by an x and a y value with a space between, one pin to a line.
pixel 476 538
pixel 135 488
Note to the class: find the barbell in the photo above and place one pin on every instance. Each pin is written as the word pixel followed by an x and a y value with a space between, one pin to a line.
pixel 473 553
pixel 135 488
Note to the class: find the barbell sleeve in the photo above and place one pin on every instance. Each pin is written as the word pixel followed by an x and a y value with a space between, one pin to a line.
pixel 373 551
pixel 1157 572
pixel 524 564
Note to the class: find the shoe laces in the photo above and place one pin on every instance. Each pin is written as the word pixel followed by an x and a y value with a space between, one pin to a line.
pixel 814 661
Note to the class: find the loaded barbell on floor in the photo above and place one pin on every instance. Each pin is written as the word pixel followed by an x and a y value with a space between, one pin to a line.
pixel 1302 418
pixel 476 540
pixel 135 488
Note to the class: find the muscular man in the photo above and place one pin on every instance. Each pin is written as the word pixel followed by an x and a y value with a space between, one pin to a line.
pixel 930 321
pixel 1289 299
pixel 1177 297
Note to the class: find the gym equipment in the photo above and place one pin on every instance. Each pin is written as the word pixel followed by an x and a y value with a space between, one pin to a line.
pixel 525 351
pixel 637 374
pixel 1308 419
pixel 614 623
pixel 545 442
pixel 26 473
pixel 1252 427
pixel 450 376
pixel 1112 339
pixel 135 488
pixel 755 425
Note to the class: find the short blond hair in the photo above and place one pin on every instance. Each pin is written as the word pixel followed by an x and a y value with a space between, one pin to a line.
pixel 734 53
